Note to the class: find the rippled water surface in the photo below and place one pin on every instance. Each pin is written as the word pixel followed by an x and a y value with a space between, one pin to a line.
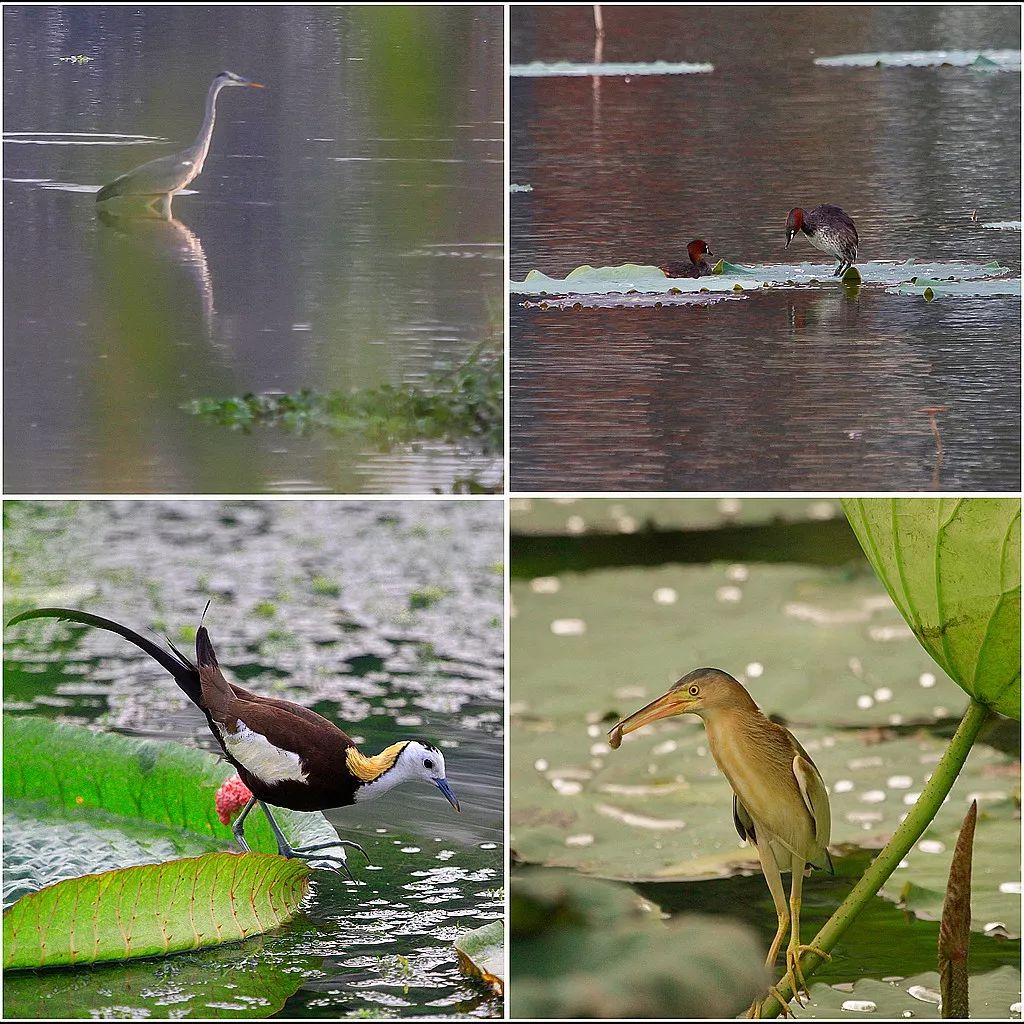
pixel 345 233
pixel 787 389
pixel 385 617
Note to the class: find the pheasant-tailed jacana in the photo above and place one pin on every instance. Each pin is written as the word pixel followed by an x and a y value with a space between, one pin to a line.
pixel 287 755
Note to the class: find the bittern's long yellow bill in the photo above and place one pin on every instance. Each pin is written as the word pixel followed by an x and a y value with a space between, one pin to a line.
pixel 674 702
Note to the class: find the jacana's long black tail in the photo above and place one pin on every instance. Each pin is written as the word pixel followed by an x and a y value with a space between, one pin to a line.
pixel 186 675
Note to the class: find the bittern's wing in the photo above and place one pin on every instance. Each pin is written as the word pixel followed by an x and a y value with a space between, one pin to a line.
pixel 815 798
pixel 743 821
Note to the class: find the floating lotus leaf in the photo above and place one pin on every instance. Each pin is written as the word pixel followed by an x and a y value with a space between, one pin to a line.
pixel 1007 60
pixel 564 68
pixel 729 277
pixel 930 289
pixel 482 954
pixel 994 996
pixel 952 565
pixel 153 909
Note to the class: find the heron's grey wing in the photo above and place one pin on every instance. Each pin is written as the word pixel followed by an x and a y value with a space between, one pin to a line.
pixel 157 177
pixel 743 821
pixel 815 797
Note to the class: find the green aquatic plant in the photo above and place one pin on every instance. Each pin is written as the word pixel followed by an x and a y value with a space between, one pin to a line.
pixel 952 567
pixel 465 404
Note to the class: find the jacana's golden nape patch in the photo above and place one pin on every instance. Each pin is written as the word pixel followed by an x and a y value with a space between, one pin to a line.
pixel 373 767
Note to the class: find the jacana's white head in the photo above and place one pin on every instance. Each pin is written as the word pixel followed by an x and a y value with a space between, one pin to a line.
pixel 411 761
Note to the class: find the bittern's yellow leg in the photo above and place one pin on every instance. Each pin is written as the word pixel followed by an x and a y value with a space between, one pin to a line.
pixel 773 877
pixel 794 975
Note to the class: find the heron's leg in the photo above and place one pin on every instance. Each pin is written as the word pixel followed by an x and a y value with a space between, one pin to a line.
pixel 773 877
pixel 165 206
pixel 237 826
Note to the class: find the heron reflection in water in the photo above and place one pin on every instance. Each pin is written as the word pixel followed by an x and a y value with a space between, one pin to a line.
pixel 158 180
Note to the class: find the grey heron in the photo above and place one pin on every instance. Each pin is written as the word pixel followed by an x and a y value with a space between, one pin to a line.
pixel 157 180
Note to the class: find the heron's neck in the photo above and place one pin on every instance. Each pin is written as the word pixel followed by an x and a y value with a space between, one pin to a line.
pixel 202 145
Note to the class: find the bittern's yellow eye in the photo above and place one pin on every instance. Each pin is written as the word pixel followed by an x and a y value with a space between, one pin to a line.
pixel 694 690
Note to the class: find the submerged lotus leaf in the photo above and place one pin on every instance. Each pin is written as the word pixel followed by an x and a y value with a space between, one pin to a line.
pixel 993 996
pixel 223 982
pixel 1007 60
pixel 952 566
pixel 586 948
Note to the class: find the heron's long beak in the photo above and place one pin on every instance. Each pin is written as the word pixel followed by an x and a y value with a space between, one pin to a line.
pixel 255 85
pixel 789 237
pixel 449 793
pixel 668 704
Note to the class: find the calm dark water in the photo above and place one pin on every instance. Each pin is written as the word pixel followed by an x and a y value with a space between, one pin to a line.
pixel 784 390
pixel 346 233
pixel 386 617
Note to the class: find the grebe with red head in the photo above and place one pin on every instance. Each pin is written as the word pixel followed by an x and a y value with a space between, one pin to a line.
pixel 829 229
pixel 697 267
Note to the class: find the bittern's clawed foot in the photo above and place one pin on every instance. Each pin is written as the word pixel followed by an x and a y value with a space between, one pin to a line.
pixel 794 975
pixel 755 1007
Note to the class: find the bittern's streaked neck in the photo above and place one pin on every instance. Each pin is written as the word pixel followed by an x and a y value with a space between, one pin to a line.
pixel 704 692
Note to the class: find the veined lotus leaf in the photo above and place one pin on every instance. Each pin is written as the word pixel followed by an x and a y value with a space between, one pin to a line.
pixel 952 565
pixel 153 909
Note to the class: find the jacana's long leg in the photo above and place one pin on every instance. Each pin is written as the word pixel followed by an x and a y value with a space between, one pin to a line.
pixel 237 826
pixel 285 849
pixel 773 877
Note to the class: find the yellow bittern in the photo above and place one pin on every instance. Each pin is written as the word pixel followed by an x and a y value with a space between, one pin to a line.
pixel 779 804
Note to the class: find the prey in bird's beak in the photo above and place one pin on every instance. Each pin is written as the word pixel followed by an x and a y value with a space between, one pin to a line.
pixel 449 793
pixel 676 702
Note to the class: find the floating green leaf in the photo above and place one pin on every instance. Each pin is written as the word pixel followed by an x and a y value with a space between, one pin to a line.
pixel 563 69
pixel 931 289
pixel 586 948
pixel 1007 60
pixel 482 954
pixel 153 909
pixel 952 565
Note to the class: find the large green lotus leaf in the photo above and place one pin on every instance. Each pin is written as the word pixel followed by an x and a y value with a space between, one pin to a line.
pixel 814 645
pixel 482 954
pixel 952 565
pixel 919 884
pixel 153 909
pixel 575 516
pixel 87 774
pixel 226 982
pixel 585 948
pixel 993 996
